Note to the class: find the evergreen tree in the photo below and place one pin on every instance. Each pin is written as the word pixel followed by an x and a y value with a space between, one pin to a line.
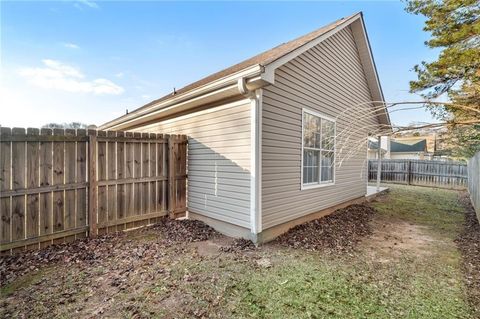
pixel 455 28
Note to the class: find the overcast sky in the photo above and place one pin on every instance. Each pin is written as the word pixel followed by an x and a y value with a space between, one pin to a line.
pixel 88 61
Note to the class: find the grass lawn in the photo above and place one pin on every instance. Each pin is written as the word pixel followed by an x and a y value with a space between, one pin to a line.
pixel 408 268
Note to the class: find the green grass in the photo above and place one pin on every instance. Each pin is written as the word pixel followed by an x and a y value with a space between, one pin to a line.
pixel 310 287
pixel 439 209
pixel 317 286
pixel 299 284
pixel 24 281
pixel 313 285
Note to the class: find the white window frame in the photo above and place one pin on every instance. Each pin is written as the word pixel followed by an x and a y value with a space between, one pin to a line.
pixel 320 183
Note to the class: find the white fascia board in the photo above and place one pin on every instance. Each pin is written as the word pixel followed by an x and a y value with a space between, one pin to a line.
pixel 222 93
pixel 206 90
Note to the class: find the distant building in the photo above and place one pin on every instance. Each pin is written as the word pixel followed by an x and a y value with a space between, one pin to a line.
pixel 401 148
pixel 409 149
pixel 373 147
pixel 439 144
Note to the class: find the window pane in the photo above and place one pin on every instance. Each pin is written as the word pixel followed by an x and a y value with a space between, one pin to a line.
pixel 310 166
pixel 327 166
pixel 328 134
pixel 311 131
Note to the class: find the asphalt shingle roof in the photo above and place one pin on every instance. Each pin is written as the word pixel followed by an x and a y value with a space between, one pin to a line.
pixel 262 59
pixel 408 146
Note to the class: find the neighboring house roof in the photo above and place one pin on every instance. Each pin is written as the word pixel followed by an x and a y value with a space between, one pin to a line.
pixel 273 58
pixel 431 139
pixel 413 146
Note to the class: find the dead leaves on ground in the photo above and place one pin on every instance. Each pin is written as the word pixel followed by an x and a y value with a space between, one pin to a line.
pixel 239 245
pixel 91 250
pixel 468 242
pixel 106 276
pixel 335 233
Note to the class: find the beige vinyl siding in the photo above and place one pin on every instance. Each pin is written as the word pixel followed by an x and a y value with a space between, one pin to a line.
pixel 325 79
pixel 218 160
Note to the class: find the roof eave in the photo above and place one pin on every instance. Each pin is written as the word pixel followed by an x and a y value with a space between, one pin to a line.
pixel 363 44
pixel 220 89
pixel 271 66
pixel 255 76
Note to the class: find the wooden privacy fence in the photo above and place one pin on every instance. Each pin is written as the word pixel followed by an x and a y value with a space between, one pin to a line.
pixel 420 172
pixel 58 185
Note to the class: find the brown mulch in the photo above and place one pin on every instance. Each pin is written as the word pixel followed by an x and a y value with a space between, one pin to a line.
pixel 92 250
pixel 468 242
pixel 238 245
pixel 338 232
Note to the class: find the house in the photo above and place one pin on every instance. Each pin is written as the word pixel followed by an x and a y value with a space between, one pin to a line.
pixel 439 144
pixel 372 147
pixel 400 148
pixel 409 149
pixel 277 139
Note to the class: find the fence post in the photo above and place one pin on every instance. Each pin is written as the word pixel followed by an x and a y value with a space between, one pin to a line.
pixel 409 172
pixel 171 176
pixel 92 182
pixel 379 164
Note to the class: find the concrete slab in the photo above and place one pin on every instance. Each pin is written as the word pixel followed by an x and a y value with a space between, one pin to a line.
pixel 372 191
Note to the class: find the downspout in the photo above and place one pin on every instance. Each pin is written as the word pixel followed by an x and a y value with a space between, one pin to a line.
pixel 255 156
pixel 242 87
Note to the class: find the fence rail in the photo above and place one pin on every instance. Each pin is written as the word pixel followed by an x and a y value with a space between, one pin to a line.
pixel 420 172
pixel 58 185
pixel 474 181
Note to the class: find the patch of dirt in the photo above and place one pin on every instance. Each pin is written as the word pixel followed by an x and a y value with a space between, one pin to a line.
pixel 212 247
pixel 392 238
pixel 174 305
pixel 468 242
pixel 338 232
pixel 91 250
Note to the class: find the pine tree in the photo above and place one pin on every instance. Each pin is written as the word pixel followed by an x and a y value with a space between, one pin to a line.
pixel 455 28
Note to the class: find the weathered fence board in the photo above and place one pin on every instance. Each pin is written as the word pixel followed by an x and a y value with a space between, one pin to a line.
pixel 58 185
pixel 81 177
pixel 18 182
pixel 420 172
pixel 180 175
pixel 33 209
pixel 46 165
pixel 5 181
pixel 126 173
pixel 474 182
pixel 43 190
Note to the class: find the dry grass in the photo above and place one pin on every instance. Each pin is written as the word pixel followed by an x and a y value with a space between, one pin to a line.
pixel 145 275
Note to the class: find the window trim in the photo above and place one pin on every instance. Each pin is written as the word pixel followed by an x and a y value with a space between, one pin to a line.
pixel 319 184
